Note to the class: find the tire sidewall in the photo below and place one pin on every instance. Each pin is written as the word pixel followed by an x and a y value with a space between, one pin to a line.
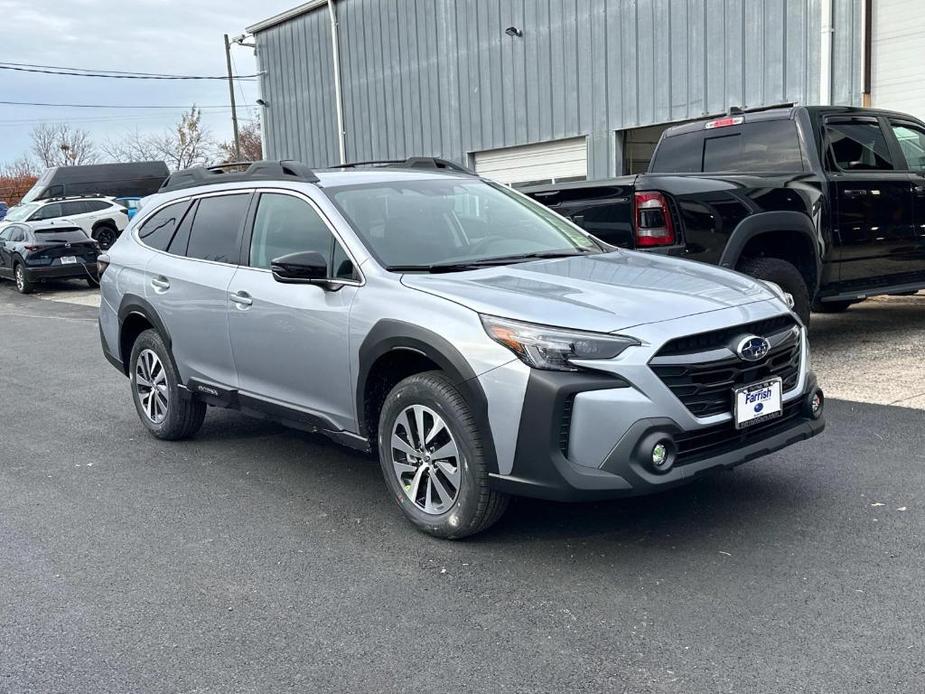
pixel 788 277
pixel 150 339
pixel 457 518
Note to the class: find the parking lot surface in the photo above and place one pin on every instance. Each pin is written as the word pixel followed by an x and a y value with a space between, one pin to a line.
pixel 255 558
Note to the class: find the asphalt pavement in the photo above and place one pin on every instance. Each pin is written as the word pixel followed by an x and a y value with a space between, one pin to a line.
pixel 259 559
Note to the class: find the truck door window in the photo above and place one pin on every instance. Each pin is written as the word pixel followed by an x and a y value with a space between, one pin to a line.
pixel 911 140
pixel 858 145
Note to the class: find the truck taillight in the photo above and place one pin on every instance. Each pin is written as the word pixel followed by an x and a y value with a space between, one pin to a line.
pixel 652 220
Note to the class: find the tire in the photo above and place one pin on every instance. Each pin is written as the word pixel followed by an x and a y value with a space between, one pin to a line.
pixel 24 285
pixel 179 417
pixel 832 306
pixel 105 235
pixel 475 505
pixel 787 276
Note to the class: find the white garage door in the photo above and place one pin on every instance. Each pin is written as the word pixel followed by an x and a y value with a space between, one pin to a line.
pixel 546 162
pixel 898 56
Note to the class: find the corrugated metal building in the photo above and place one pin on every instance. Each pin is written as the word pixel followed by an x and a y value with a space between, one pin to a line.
pixel 530 90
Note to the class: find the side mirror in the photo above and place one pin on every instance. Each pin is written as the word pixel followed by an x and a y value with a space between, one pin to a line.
pixel 306 267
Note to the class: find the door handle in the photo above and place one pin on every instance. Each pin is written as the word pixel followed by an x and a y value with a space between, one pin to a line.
pixel 855 193
pixel 242 299
pixel 161 283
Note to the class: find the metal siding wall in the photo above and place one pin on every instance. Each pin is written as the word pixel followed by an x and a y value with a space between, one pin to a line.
pixel 441 78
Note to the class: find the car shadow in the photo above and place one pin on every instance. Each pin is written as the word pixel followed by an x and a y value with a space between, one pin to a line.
pixel 716 505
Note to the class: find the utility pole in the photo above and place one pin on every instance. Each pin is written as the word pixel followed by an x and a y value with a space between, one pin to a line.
pixel 234 109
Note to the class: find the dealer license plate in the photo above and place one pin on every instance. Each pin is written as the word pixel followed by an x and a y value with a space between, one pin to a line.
pixel 68 260
pixel 758 402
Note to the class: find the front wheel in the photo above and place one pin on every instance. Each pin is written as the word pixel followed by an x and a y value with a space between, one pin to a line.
pixel 156 391
pixel 433 459
pixel 784 274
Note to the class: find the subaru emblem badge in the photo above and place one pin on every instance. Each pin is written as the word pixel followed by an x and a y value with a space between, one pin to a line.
pixel 753 348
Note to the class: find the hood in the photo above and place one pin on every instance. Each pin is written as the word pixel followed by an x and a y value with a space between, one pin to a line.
pixel 602 293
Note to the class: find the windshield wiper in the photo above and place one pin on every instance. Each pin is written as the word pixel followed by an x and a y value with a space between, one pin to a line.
pixel 460 265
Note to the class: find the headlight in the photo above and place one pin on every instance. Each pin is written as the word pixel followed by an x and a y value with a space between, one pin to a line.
pixel 779 292
pixel 545 347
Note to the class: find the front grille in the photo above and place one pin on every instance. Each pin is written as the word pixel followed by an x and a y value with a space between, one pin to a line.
pixel 706 387
pixel 722 438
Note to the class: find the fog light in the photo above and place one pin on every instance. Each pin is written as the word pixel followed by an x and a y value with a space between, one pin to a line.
pixel 661 457
pixel 815 404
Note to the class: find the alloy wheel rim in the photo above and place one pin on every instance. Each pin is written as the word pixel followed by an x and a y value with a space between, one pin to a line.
pixel 425 459
pixel 20 278
pixel 151 386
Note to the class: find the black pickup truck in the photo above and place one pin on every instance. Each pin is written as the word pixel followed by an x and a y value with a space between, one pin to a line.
pixel 828 202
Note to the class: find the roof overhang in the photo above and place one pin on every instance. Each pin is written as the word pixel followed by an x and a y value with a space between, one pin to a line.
pixel 283 17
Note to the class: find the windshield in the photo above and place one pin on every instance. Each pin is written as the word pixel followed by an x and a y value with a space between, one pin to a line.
pixel 19 213
pixel 420 223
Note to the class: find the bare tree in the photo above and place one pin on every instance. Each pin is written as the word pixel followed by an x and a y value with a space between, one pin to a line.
pixel 23 167
pixel 133 147
pixel 189 144
pixel 58 144
pixel 251 146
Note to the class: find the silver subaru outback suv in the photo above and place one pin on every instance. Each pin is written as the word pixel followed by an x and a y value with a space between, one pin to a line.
pixel 482 345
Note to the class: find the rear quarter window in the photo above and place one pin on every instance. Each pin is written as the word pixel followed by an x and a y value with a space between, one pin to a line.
pixel 158 229
pixel 759 147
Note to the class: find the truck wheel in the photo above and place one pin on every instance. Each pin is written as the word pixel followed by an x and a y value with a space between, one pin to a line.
pixel 832 306
pixel 786 275
pixel 433 461
pixel 156 391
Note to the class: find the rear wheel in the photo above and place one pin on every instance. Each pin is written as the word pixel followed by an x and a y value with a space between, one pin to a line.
pixel 23 284
pixel 784 274
pixel 156 391
pixel 105 235
pixel 433 460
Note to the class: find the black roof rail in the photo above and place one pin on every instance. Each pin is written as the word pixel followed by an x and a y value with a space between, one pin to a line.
pixel 239 171
pixel 410 163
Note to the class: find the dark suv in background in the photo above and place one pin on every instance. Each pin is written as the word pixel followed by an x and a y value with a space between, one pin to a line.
pixel 828 202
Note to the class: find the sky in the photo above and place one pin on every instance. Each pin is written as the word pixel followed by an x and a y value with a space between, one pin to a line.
pixel 163 36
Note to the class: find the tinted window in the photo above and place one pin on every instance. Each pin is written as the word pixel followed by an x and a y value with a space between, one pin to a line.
pixel 71 235
pixel 18 235
pixel 181 239
pixel 158 229
pixel 284 225
pixel 70 208
pixel 759 147
pixel 47 212
pixel 858 146
pixel 678 154
pixel 96 205
pixel 216 229
pixel 911 139
pixel 6 233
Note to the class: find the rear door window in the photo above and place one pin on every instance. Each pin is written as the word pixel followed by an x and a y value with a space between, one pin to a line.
pixel 911 140
pixel 216 232
pixel 69 209
pixel 857 145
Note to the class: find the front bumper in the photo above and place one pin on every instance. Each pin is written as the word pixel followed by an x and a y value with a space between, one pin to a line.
pixel 542 469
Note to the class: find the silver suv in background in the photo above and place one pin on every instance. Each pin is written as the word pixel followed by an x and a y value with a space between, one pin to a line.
pixel 481 344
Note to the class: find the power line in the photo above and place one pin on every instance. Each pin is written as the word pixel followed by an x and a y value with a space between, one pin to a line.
pixel 107 106
pixel 86 69
pixel 68 72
